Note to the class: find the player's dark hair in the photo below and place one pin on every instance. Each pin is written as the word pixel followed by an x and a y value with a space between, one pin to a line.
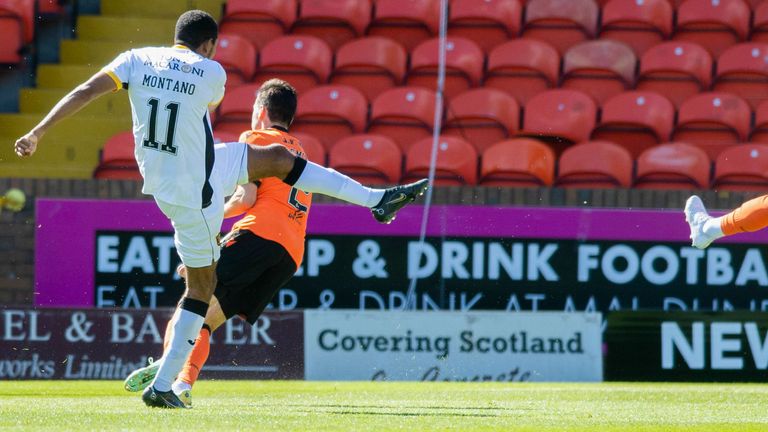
pixel 279 99
pixel 195 27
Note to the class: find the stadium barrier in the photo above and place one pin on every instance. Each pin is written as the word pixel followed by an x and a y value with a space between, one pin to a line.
pixel 110 343
pixel 120 254
pixel 452 346
pixel 686 346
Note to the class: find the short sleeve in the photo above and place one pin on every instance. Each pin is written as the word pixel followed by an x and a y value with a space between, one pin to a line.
pixel 120 70
pixel 218 88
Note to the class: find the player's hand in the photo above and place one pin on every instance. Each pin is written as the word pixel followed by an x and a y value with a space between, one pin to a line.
pixel 26 145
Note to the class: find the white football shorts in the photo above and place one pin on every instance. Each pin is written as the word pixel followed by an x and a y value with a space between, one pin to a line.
pixel 195 230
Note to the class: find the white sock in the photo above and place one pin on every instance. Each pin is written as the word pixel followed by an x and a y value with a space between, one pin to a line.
pixel 180 386
pixel 712 227
pixel 186 328
pixel 327 181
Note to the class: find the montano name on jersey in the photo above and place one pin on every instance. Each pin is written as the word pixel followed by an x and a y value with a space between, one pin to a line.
pixel 171 89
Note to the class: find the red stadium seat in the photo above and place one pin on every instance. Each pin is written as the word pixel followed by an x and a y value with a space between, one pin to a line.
pixel 595 165
pixel 713 24
pixel 523 68
pixel 742 168
pixel 673 166
pixel 486 22
pixel 17 28
pixel 743 71
pixel 369 159
pixel 559 116
pixel 236 109
pixel 678 70
pixel 483 117
pixel 760 130
pixel 408 22
pixel 463 65
pixel 456 161
pixel 371 65
pixel 404 114
pixel 562 23
pixel 313 148
pixel 639 24
pixel 259 21
pixel 760 23
pixel 519 162
pixel 303 61
pixel 223 136
pixel 636 120
pixel 238 57
pixel 334 21
pixel 713 121
pixel 601 68
pixel 117 159
pixel 331 112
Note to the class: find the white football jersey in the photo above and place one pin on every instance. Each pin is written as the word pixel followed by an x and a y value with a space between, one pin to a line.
pixel 171 89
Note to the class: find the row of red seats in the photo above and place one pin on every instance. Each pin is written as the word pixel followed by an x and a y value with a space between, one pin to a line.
pixel 521 67
pixel 519 162
pixel 715 24
pixel 17 28
pixel 636 120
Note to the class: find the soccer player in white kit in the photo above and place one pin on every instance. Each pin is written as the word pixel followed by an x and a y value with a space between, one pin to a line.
pixel 171 90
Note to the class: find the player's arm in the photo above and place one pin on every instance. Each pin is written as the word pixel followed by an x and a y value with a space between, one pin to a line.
pixel 98 85
pixel 243 199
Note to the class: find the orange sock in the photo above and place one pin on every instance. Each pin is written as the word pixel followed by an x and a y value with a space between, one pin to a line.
pixel 197 357
pixel 751 216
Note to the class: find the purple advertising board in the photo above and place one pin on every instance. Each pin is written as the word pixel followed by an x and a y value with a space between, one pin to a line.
pixel 120 254
pixel 109 344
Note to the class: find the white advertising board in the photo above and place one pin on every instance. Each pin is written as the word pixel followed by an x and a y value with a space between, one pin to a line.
pixel 452 346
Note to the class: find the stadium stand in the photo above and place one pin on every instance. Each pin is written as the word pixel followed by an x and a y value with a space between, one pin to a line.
pixel 304 61
pixel 522 68
pixel 117 160
pixel 370 159
pixel 330 113
pixel 562 23
pixel 370 64
pixel 259 21
pixel 488 23
pixel 742 70
pixel 333 21
pixel 678 70
pixel 483 117
pixel 601 68
pixel 313 148
pixel 238 57
pixel 713 24
pixel 759 31
pixel 463 65
pixel 673 166
pixel 456 161
pixel 407 22
pixel 561 117
pixel 17 28
pixel 636 120
pixel 595 165
pixel 518 162
pixel 712 121
pixel 404 114
pixel 639 24
pixel 235 110
pixel 743 168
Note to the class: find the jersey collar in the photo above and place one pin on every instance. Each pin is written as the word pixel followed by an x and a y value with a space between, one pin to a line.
pixel 182 47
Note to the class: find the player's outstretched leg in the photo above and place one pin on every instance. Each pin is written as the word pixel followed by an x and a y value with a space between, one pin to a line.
pixel 139 379
pixel 704 228
pixel 396 198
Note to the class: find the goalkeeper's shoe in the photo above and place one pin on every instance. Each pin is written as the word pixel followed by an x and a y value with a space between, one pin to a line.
pixel 158 399
pixel 396 198
pixel 186 397
pixel 140 378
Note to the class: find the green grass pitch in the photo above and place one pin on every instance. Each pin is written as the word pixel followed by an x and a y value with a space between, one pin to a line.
pixel 377 406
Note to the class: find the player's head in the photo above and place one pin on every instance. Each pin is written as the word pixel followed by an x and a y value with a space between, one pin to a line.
pixel 275 104
pixel 198 30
